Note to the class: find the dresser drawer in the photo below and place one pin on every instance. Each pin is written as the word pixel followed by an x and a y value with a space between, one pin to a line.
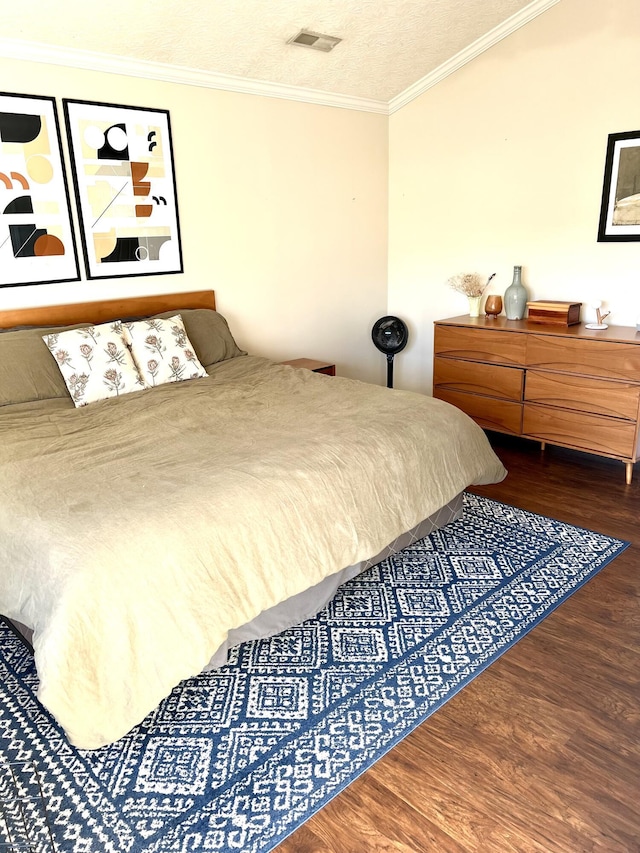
pixel 609 436
pixel 608 359
pixel 491 380
pixel 583 394
pixel 489 413
pixel 486 345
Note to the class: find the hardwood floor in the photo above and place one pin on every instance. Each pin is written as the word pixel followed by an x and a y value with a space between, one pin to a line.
pixel 541 752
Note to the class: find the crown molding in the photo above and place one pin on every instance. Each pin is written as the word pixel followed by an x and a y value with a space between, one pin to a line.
pixel 111 64
pixel 524 16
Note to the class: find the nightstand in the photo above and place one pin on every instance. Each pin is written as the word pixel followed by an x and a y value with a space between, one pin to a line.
pixel 312 364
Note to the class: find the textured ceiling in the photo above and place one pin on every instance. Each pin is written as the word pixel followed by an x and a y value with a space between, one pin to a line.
pixel 388 45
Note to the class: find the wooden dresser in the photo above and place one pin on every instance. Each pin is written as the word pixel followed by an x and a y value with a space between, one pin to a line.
pixel 564 385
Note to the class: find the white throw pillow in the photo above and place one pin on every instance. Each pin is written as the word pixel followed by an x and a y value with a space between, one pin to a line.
pixel 95 362
pixel 162 351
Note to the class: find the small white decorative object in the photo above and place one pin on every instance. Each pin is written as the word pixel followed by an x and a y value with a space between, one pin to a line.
pixel 600 317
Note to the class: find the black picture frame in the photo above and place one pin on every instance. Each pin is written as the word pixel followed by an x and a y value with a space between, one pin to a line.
pixel 620 207
pixel 37 238
pixel 124 179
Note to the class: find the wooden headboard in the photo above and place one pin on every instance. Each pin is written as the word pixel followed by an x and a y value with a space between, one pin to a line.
pixel 105 310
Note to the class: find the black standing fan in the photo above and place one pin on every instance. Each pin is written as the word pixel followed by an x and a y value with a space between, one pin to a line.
pixel 390 335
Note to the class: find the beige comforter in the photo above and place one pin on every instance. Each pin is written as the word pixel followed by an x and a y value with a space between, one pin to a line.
pixel 135 532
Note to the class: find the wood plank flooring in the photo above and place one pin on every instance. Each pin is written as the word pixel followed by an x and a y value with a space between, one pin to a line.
pixel 541 752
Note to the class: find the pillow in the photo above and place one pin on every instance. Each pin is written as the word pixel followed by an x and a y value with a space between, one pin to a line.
pixel 209 333
pixel 95 362
pixel 27 371
pixel 162 351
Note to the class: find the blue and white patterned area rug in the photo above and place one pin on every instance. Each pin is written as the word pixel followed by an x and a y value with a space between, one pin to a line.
pixel 236 759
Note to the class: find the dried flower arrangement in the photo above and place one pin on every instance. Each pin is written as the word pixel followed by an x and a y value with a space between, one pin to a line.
pixel 469 283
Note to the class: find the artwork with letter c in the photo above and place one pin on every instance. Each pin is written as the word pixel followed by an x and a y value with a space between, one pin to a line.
pixel 122 163
pixel 37 242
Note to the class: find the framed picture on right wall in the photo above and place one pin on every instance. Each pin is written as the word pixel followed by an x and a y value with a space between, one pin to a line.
pixel 620 209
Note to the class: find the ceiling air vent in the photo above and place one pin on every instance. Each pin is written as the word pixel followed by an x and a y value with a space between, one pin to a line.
pixel 316 41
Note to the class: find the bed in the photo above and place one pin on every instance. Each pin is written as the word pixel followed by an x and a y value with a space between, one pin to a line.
pixel 143 535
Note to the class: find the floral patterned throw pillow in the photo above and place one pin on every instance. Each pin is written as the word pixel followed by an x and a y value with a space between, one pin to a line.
pixel 95 362
pixel 162 351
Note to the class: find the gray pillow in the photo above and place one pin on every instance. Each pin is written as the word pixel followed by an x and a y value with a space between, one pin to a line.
pixel 28 371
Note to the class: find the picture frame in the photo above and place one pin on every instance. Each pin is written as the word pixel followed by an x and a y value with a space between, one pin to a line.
pixel 124 179
pixel 620 207
pixel 37 238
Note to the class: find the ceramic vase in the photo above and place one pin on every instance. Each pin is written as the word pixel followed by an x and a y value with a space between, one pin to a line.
pixel 474 305
pixel 515 297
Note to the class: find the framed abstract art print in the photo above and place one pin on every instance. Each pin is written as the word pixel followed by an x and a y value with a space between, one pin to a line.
pixel 620 206
pixel 122 164
pixel 37 242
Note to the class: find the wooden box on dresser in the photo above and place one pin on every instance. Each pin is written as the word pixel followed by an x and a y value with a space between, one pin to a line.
pixel 565 385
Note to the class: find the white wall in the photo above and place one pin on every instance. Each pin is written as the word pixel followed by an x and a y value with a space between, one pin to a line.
pixel 283 211
pixel 502 164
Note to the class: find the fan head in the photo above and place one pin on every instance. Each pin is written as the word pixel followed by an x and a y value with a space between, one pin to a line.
pixel 390 335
